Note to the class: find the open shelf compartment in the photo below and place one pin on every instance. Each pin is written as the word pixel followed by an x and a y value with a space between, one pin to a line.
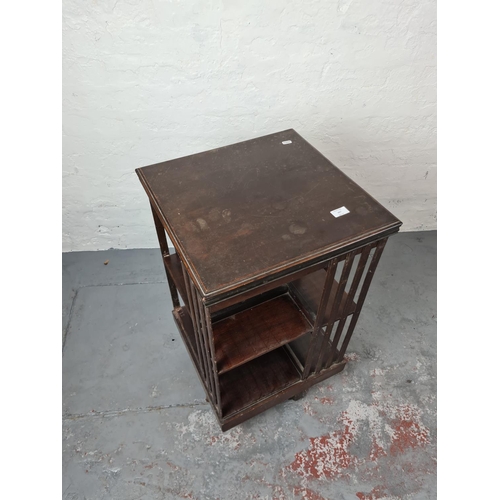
pixel 257 380
pixel 258 330
pixel 307 293
pixel 248 384
pixel 174 266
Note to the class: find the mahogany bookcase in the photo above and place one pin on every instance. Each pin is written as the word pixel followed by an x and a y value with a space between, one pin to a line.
pixel 275 249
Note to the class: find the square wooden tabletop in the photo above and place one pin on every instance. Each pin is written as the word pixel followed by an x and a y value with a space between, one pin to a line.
pixel 242 213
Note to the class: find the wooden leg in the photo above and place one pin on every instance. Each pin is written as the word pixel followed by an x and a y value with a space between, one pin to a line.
pixel 162 239
pixel 298 396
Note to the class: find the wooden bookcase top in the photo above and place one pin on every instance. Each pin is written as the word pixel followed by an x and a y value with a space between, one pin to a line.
pixel 242 214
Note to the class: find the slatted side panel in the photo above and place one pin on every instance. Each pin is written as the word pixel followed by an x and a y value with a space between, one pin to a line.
pixel 199 351
pixel 318 330
pixel 364 255
pixel 354 272
pixel 202 326
pixel 335 311
pixel 379 248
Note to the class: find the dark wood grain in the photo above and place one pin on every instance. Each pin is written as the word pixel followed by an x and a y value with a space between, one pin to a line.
pixel 278 397
pixel 222 313
pixel 248 210
pixel 258 330
pixel 256 380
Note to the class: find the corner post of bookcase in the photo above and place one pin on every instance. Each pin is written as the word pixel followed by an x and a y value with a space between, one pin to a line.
pixel 162 240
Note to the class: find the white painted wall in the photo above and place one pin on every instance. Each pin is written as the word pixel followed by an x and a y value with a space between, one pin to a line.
pixel 147 81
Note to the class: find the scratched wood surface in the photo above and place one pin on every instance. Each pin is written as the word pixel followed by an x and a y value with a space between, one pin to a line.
pixel 255 331
pixel 253 208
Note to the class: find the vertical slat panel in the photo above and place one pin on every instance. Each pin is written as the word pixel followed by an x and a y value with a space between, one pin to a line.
pixel 330 275
pixel 335 307
pixel 209 334
pixel 359 272
pixel 188 292
pixel 333 344
pixel 200 313
pixel 162 240
pixel 196 325
pixel 362 296
pixel 350 297
pixel 191 313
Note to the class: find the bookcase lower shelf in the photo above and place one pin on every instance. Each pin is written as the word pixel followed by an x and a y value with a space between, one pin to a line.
pixel 256 385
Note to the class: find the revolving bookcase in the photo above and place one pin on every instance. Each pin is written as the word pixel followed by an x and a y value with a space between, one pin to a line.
pixel 274 252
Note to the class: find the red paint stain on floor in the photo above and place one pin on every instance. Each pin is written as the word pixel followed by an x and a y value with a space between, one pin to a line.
pixel 377 451
pixel 307 494
pixel 278 493
pixel 326 401
pixel 392 430
pixel 309 409
pixel 408 433
pixel 327 456
pixel 375 494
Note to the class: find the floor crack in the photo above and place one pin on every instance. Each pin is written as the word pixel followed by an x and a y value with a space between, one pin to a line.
pixel 126 411
pixel 126 284
pixel 70 316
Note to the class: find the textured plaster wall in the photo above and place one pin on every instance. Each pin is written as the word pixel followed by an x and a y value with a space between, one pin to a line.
pixel 146 81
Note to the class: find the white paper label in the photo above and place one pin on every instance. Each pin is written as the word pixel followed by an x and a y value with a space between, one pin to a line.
pixel 339 211
pixel 286 142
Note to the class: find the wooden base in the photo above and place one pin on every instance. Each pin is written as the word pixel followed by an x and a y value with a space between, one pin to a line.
pixel 299 396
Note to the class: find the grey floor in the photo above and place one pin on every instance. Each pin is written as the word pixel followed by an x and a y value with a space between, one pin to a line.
pixel 136 424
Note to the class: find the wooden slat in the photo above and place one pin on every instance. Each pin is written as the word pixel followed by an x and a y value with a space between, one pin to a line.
pixel 330 276
pixel 209 333
pixel 162 240
pixel 189 305
pixel 196 324
pixel 185 325
pixel 175 270
pixel 203 339
pixel 350 305
pixel 334 312
pixel 362 296
pixel 206 342
pixel 307 292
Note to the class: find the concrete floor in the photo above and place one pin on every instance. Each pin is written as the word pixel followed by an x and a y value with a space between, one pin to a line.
pixel 136 424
